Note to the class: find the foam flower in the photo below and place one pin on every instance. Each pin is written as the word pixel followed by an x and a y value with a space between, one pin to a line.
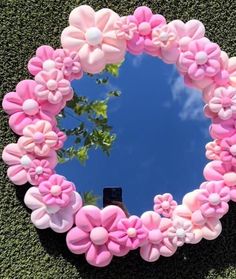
pixel 56 190
pixel 93 36
pixel 59 219
pixel 213 150
pixel 53 87
pixel 228 150
pixel 124 28
pixel 38 138
pixel 61 138
pixel 39 170
pixel 92 234
pixel 145 21
pixel 164 204
pixel 220 129
pixel 130 232
pixel 158 243
pixel 19 162
pixel 25 108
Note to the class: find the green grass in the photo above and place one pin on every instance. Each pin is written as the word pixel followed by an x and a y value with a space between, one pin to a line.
pixel 28 253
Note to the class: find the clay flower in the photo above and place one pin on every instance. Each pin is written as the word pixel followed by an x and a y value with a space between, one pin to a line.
pixel 223 102
pixel 130 232
pixel 181 232
pixel 56 190
pixel 93 36
pixel 61 138
pixel 25 108
pixel 213 150
pixel 214 199
pixel 228 150
pixel 158 243
pixel 19 162
pixel 53 87
pixel 39 170
pixel 145 21
pixel 125 29
pixel 164 204
pixel 38 138
pixel 59 219
pixel 220 129
pixel 201 59
pixel 92 234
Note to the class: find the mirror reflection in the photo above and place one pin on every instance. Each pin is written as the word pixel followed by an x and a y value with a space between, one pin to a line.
pixel 160 139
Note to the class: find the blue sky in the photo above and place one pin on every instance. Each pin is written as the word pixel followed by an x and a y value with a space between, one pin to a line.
pixel 161 135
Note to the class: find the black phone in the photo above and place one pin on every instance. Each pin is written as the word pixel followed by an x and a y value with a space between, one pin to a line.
pixel 111 194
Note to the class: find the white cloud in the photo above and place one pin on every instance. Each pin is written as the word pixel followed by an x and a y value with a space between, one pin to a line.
pixel 137 60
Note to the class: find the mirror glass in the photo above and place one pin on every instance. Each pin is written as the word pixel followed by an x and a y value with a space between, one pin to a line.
pixel 160 130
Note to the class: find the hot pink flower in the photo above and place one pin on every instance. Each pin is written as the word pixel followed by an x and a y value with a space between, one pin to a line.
pixel 228 150
pixel 158 243
pixel 38 138
pixel 61 138
pixel 213 150
pixel 52 86
pixel 92 234
pixel 130 232
pixel 145 21
pixel 25 108
pixel 39 170
pixel 220 129
pixel 56 190
pixel 164 204
pixel 59 219
pixel 214 199
pixel 125 29
pixel 20 162
pixel 93 36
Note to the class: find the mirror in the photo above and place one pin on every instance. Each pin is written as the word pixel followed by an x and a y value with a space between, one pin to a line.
pixel 160 130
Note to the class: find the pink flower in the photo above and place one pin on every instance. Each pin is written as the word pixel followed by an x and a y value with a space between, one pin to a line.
pixel 158 243
pixel 61 138
pixel 130 232
pixel 20 162
pixel 228 147
pixel 223 102
pixel 200 60
pixel 125 29
pixel 213 150
pixel 181 232
pixel 220 129
pixel 38 138
pixel 39 170
pixel 25 108
pixel 214 199
pixel 56 190
pixel 145 21
pixel 93 36
pixel 53 87
pixel 164 204
pixel 44 216
pixel 92 234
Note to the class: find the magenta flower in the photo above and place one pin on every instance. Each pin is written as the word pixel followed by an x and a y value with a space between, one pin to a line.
pixel 92 234
pixel 158 243
pixel 220 129
pixel 214 199
pixel 125 29
pixel 39 170
pixel 145 22
pixel 164 204
pixel 213 150
pixel 25 108
pixel 228 150
pixel 130 232
pixel 38 138
pixel 56 190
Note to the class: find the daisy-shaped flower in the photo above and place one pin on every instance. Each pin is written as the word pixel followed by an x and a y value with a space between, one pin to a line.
pixel 220 129
pixel 164 204
pixel 125 29
pixel 228 150
pixel 93 36
pixel 130 232
pixel 91 235
pixel 38 138
pixel 158 243
pixel 213 150
pixel 59 219
pixel 39 170
pixel 24 107
pixel 56 190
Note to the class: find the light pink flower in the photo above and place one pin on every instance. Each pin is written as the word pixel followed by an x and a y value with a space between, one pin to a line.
pixel 92 234
pixel 213 150
pixel 163 37
pixel 19 162
pixel 214 199
pixel 164 204
pixel 56 190
pixel 38 138
pixel 130 232
pixel 93 36
pixel 125 29
pixel 158 243
pixel 39 170
pixel 145 22
pixel 228 150
pixel 53 87
pixel 61 138
pixel 220 129
pixel 59 219
pixel 25 108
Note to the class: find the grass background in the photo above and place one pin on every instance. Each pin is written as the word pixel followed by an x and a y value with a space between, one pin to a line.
pixel 26 252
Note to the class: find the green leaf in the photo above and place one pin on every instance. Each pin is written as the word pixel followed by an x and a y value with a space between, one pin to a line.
pixel 113 69
pixel 100 108
pixel 82 154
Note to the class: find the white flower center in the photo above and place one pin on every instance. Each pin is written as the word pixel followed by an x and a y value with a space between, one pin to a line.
pixel 25 160
pixel 93 36
pixel 230 178
pixel 201 58
pixel 52 85
pixel 214 199
pixel 233 149
pixel 165 205
pixel 99 235
pixel 180 233
pixel 39 170
pixel 164 36
pixel 30 107
pixel 49 65
pixel 55 190
pixel 131 232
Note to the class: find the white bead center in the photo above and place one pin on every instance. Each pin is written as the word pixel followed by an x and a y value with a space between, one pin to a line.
pixel 214 199
pixel 131 232
pixel 164 36
pixel 233 149
pixel 201 58
pixel 49 65
pixel 52 84
pixel 30 107
pixel 93 36
pixel 25 160
pixel 180 233
pixel 39 170
pixel 55 190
